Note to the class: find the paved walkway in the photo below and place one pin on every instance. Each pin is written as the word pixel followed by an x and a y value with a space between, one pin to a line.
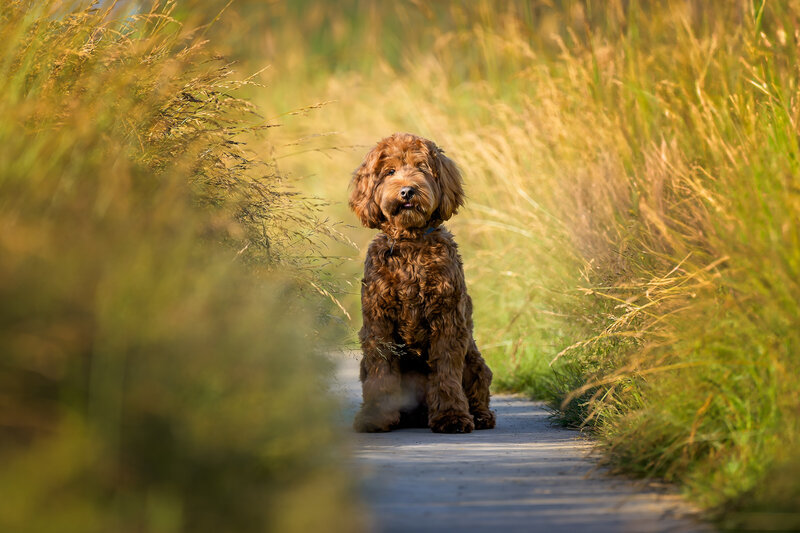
pixel 524 475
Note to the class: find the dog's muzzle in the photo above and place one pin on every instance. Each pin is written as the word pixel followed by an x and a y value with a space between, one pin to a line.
pixel 407 193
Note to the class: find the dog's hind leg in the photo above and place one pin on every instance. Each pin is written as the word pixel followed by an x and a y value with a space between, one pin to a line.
pixel 476 382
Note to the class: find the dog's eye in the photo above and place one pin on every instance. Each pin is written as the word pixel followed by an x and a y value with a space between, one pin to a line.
pixel 389 172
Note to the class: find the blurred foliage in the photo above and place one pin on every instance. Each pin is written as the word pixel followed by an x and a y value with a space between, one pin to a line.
pixel 159 370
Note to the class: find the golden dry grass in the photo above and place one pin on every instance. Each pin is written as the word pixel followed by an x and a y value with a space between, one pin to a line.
pixel 633 212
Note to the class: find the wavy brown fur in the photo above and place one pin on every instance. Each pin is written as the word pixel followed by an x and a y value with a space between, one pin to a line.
pixel 420 366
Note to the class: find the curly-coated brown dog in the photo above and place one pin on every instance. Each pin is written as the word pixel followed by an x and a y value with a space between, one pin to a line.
pixel 421 367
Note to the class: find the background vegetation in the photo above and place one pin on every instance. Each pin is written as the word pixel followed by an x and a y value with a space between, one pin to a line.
pixel 159 368
pixel 631 239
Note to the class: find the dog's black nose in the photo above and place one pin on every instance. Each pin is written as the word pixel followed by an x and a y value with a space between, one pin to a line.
pixel 406 193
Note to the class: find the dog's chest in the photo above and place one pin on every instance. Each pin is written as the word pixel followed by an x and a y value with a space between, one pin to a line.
pixel 406 279
pixel 409 282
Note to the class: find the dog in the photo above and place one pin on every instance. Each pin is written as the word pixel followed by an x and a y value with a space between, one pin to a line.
pixel 420 365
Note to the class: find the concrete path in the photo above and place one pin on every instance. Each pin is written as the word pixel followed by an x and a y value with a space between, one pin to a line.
pixel 524 475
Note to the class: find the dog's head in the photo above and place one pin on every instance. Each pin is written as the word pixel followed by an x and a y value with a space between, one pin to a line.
pixel 406 181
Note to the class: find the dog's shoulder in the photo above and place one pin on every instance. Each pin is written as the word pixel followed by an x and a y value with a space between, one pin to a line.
pixel 377 253
pixel 443 236
pixel 379 247
pixel 442 245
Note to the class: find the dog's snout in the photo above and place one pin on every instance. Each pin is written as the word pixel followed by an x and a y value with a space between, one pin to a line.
pixel 406 193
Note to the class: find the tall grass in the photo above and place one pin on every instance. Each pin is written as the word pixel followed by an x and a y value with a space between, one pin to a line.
pixel 159 370
pixel 631 238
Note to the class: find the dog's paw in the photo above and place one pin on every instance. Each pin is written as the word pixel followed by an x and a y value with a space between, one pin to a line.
pixel 370 420
pixel 452 423
pixel 484 419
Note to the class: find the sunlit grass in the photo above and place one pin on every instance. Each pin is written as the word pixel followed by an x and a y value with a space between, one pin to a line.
pixel 633 209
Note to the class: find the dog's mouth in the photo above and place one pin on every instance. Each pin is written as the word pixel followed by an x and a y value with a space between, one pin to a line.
pixel 405 207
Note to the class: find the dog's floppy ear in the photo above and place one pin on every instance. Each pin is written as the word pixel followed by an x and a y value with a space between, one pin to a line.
pixel 362 190
pixel 449 178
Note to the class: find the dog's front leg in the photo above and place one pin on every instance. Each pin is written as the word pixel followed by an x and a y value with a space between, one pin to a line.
pixel 380 377
pixel 448 410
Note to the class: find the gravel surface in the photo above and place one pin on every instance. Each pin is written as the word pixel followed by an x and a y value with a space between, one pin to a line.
pixel 524 475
